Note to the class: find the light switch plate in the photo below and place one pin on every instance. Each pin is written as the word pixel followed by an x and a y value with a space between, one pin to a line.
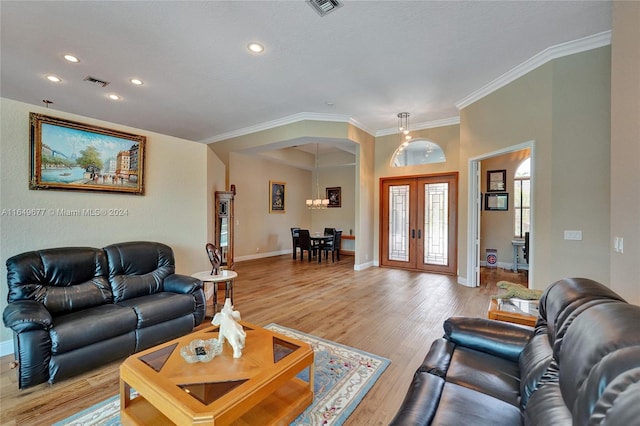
pixel 573 235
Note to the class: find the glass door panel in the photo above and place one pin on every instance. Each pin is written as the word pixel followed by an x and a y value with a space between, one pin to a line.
pixel 397 238
pixel 399 205
pixel 436 219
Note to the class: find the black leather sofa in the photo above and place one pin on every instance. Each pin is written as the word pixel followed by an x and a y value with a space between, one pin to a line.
pixel 75 308
pixel 580 365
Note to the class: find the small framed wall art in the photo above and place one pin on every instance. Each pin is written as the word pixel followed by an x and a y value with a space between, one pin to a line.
pixel 277 192
pixel 496 180
pixel 334 196
pixel 496 201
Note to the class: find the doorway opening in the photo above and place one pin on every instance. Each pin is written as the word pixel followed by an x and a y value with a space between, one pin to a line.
pixel 493 228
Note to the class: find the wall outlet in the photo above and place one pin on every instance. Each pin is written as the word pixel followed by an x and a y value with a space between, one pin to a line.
pixel 573 235
pixel 618 245
pixel 257 249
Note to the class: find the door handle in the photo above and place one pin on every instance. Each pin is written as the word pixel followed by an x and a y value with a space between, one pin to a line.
pixel 413 233
pixel 419 233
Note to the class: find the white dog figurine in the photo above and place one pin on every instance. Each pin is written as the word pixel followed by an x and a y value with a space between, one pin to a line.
pixel 229 328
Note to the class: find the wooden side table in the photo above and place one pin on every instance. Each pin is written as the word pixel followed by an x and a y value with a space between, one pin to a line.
pixel 226 276
pixel 516 311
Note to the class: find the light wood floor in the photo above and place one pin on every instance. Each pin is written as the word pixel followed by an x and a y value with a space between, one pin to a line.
pixel 388 312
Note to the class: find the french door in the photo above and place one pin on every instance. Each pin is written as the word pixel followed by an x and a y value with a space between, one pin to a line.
pixel 418 222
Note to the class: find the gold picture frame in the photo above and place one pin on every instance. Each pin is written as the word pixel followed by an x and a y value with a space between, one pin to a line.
pixel 277 196
pixel 67 155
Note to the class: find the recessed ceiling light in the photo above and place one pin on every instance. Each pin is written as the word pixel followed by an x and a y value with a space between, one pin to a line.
pixel 136 81
pixel 54 78
pixel 255 47
pixel 113 97
pixel 71 58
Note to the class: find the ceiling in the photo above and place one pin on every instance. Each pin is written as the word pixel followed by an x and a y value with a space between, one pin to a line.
pixel 367 60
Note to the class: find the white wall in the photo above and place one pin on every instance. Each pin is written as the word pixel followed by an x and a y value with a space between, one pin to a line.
pixel 336 217
pixel 625 149
pixel 563 108
pixel 172 211
pixel 257 232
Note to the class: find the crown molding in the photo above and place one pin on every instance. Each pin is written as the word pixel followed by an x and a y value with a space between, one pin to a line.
pixel 420 126
pixel 302 116
pixel 559 50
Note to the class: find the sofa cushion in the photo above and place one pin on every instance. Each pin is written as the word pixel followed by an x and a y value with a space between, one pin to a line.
pixel 609 388
pixel 138 268
pixel 68 364
pixel 162 332
pixel 588 360
pixel 83 328
pixel 159 307
pixel 534 362
pixel 488 374
pixel 63 279
pixel 421 401
pixel 561 298
pixel 460 405
pixel 75 297
pixel 546 407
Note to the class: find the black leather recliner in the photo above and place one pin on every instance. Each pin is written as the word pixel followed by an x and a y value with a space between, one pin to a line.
pixel 75 308
pixel 580 365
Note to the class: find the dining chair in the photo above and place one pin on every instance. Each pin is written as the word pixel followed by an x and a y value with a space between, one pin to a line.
pixel 304 242
pixel 327 246
pixel 294 239
pixel 334 246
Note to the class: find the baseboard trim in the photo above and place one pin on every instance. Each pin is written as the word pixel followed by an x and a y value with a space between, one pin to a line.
pixel 506 265
pixel 262 255
pixel 363 266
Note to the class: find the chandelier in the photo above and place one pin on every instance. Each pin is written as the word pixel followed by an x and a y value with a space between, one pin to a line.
pixel 317 203
pixel 403 128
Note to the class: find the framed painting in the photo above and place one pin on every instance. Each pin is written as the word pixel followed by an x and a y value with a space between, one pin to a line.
pixel 496 180
pixel 334 196
pixel 67 155
pixel 277 192
pixel 496 201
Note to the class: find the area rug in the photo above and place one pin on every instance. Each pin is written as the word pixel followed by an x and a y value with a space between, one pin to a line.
pixel 343 376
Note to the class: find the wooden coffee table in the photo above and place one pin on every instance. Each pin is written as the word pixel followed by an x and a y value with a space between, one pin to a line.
pixel 259 388
pixel 517 311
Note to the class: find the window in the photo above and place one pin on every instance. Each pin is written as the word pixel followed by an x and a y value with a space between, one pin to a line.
pixel 522 198
pixel 418 151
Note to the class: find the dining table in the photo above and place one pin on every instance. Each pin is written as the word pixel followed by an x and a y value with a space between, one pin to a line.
pixel 320 241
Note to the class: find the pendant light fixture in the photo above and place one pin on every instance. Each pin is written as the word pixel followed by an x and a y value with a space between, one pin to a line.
pixel 318 202
pixel 403 128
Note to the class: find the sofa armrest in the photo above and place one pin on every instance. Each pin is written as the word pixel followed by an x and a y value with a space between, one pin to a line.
pixel 497 338
pixel 26 315
pixel 182 284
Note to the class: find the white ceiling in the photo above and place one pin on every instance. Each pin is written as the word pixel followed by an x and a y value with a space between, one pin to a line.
pixel 368 60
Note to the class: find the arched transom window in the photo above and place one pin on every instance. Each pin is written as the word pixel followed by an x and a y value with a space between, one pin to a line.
pixel 418 151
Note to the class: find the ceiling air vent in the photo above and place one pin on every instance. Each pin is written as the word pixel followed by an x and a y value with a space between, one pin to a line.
pixel 96 81
pixel 324 6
